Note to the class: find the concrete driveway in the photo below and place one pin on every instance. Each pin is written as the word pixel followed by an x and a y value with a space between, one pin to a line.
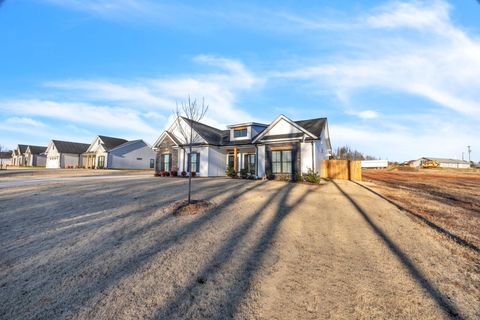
pixel 107 249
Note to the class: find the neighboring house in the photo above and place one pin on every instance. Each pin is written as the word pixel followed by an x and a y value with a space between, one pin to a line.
pixel 115 153
pixel 18 155
pixel 65 154
pixel 443 163
pixel 281 148
pixel 374 164
pixel 5 159
pixel 35 156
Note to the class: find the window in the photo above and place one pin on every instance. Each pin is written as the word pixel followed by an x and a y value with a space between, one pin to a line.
pixel 239 133
pixel 152 163
pixel 166 162
pixel 194 162
pixel 139 158
pixel 282 161
pixel 249 163
pixel 101 162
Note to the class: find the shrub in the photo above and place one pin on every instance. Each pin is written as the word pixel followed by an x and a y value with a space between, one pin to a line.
pixel 167 174
pixel 184 174
pixel 243 173
pixel 231 172
pixel 174 173
pixel 269 175
pixel 157 174
pixel 311 176
pixel 194 174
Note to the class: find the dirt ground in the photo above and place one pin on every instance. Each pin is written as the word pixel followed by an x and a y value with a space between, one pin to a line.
pixel 105 249
pixel 449 199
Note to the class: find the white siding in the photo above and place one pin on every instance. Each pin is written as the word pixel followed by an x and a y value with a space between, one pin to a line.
pixel 261 161
pixel 70 160
pixel 217 162
pixel 306 156
pixel 282 127
pixel 131 156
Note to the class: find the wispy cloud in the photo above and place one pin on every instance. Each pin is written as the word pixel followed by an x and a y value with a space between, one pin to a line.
pixel 440 63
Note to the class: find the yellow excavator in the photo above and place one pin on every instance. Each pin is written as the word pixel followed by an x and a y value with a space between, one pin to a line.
pixel 430 164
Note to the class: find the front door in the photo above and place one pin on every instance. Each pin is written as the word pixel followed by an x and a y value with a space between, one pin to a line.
pixel 101 162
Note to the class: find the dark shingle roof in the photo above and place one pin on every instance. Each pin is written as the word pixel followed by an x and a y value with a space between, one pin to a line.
pixel 70 147
pixel 210 134
pixel 284 136
pixel 111 142
pixel 23 148
pixel 314 126
pixel 6 155
pixel 37 149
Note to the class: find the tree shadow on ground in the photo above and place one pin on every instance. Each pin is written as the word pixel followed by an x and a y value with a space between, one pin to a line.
pixel 441 301
pixel 429 223
pixel 183 304
pixel 101 248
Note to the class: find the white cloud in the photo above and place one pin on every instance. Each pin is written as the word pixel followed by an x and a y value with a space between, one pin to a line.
pixel 17 121
pixel 159 96
pixel 441 63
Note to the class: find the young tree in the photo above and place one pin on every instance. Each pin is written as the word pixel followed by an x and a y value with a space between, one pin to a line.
pixel 1 158
pixel 191 112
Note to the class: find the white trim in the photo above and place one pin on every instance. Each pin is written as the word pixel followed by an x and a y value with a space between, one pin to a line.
pixel 282 117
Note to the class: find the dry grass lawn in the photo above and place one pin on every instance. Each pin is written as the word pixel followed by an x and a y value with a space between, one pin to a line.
pixel 94 249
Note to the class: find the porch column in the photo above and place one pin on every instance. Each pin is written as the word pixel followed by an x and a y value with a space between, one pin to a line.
pixel 235 164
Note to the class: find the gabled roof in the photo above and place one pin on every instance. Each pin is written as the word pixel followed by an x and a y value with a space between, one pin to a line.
pixel 129 143
pixel 70 147
pixel 111 142
pixel 210 134
pixel 6 155
pixel 22 148
pixel 314 126
pixel 37 149
pixel 294 124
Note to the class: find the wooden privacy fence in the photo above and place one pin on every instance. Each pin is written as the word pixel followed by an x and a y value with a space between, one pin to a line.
pixel 342 169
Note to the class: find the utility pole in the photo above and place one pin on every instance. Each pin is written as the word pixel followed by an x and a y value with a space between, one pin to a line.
pixel 469 151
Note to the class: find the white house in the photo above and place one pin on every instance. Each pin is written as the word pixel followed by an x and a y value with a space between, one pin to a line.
pixel 115 153
pixel 65 154
pixel 35 156
pixel 5 159
pixel 281 148
pixel 18 155
pixel 443 163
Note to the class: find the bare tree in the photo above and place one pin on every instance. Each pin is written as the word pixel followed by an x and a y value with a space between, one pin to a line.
pixel 1 156
pixel 191 112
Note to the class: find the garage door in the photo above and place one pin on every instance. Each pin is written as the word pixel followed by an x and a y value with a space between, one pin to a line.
pixel 52 162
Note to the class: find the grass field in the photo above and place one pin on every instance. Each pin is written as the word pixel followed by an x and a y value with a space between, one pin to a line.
pixel 447 198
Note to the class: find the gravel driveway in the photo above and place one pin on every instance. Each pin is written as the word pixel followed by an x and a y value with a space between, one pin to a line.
pixel 106 249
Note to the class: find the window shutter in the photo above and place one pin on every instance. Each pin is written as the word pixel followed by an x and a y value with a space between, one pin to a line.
pixel 162 165
pixel 198 162
pixel 189 167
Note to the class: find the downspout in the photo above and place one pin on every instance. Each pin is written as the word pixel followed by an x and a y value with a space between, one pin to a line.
pixel 256 160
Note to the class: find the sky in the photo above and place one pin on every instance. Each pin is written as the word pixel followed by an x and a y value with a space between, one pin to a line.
pixel 396 79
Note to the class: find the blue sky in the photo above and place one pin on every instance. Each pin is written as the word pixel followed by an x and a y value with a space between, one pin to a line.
pixel 396 79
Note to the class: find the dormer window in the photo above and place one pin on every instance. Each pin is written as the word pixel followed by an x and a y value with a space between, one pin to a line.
pixel 240 133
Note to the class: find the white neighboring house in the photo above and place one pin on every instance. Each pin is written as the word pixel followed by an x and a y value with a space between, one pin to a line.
pixel 65 154
pixel 444 163
pixel 35 156
pixel 18 155
pixel 5 159
pixel 116 153
pixel 374 164
pixel 282 148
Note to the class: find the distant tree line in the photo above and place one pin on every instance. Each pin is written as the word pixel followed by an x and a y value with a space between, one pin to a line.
pixel 347 153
